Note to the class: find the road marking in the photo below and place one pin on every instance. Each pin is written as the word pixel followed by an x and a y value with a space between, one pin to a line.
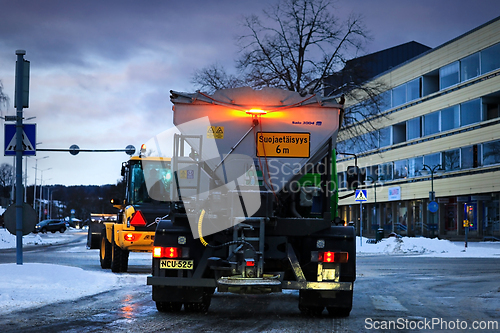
pixel 387 303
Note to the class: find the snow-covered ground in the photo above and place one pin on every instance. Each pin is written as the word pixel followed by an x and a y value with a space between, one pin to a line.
pixel 21 289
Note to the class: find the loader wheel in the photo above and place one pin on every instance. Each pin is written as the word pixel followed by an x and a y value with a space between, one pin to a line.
pixel 105 251
pixel 168 306
pixel 119 259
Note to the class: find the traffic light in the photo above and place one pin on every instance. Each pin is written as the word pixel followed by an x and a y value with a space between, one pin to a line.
pixel 352 177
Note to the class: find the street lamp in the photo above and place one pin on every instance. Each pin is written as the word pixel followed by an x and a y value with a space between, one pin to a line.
pixel 34 187
pixel 375 181
pixel 41 193
pixel 432 206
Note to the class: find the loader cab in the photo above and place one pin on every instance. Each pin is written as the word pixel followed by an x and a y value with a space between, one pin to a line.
pixel 148 180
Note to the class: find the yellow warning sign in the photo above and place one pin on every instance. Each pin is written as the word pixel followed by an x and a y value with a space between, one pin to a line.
pixel 215 132
pixel 182 174
pixel 276 144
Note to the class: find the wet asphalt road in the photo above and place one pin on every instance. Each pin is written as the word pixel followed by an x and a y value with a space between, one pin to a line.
pixel 411 293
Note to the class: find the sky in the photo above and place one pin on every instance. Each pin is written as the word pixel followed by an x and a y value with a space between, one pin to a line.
pixel 21 290
pixel 101 71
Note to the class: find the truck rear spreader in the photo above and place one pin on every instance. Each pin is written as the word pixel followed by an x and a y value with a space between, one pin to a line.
pixel 254 203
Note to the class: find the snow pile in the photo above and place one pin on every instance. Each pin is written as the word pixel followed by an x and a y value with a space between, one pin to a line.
pixel 33 285
pixel 47 283
pixel 427 247
pixel 8 241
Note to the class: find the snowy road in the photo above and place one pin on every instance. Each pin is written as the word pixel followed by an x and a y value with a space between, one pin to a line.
pixel 392 288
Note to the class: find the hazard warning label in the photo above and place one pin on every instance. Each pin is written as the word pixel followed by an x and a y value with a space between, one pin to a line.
pixel 215 132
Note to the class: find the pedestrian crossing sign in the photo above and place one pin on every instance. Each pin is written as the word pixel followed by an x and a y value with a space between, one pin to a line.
pixel 360 195
pixel 28 139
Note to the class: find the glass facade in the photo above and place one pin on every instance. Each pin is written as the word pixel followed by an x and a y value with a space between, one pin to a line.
pixel 470 112
pixel 449 75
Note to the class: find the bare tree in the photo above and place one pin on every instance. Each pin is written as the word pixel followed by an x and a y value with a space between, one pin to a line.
pixel 215 77
pixel 6 178
pixel 4 99
pixel 302 46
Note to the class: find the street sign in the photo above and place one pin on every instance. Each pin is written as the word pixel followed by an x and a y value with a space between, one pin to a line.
pixel 29 140
pixel 361 195
pixel 433 206
pixel 29 219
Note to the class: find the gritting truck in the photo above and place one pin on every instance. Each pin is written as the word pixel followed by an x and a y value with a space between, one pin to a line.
pixel 253 206
pixel 132 229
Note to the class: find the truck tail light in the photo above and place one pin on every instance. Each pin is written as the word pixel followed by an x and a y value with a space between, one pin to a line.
pixel 334 257
pixel 130 237
pixel 167 252
pixel 138 219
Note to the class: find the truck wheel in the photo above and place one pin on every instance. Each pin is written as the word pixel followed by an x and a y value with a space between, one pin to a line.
pixel 119 259
pixel 168 306
pixel 312 311
pixel 345 299
pixel 105 251
pixel 198 307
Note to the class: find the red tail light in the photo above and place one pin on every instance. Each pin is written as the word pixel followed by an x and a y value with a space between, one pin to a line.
pixel 335 257
pixel 130 237
pixel 138 219
pixel 167 252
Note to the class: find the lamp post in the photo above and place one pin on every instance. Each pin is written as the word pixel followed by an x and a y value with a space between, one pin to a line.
pixel 34 187
pixel 41 194
pixel 432 207
pixel 375 181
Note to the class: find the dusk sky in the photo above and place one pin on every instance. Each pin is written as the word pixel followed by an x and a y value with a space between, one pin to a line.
pixel 101 71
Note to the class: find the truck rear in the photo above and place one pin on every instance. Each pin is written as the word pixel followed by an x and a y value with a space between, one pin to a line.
pixel 254 202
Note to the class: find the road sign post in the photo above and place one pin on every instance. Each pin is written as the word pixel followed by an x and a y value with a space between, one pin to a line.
pixel 21 100
pixel 360 197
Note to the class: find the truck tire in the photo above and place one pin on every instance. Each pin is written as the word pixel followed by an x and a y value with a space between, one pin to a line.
pixel 198 307
pixel 119 259
pixel 94 236
pixel 345 297
pixel 168 306
pixel 105 251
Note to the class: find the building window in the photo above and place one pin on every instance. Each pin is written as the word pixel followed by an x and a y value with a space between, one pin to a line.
pixel 399 133
pixel 470 156
pixel 385 100
pixel 449 75
pixel 413 90
pixel 341 180
pixel 431 123
pixel 470 112
pixel 415 165
pixel 414 128
pixel 384 137
pixel 399 95
pixel 491 152
pixel 491 108
pixel 385 170
pixel 401 169
pixel 451 160
pixel 432 160
pixel 450 118
pixel 490 59
pixel 469 67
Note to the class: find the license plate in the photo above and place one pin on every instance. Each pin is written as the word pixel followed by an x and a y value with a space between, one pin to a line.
pixel 176 264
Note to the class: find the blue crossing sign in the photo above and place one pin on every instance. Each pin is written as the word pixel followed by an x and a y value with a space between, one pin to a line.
pixel 29 140
pixel 360 195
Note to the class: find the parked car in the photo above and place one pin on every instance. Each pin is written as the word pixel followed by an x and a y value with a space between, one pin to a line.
pixel 50 225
